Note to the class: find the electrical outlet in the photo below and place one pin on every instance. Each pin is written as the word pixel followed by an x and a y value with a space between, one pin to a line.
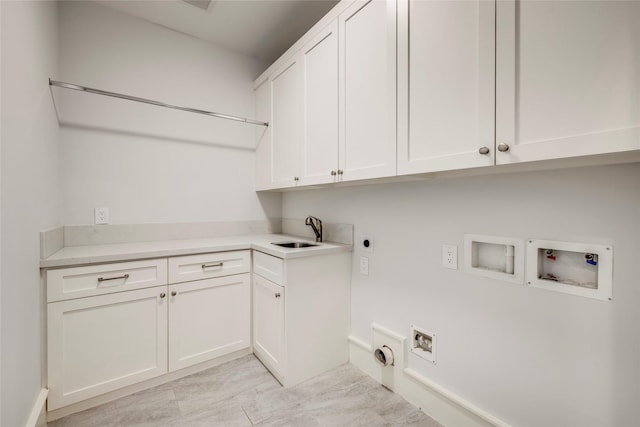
pixel 101 215
pixel 364 265
pixel 450 256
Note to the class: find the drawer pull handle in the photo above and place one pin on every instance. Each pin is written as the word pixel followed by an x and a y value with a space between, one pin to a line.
pixel 278 295
pixel 103 279
pixel 174 293
pixel 220 264
pixel 162 295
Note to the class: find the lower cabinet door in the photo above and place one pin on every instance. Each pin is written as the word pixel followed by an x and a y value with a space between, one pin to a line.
pixel 208 318
pixel 102 343
pixel 268 324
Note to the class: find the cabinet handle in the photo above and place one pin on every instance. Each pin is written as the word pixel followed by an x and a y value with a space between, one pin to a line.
pixel 296 179
pixel 503 148
pixel 220 264
pixel 334 173
pixel 484 150
pixel 162 295
pixel 340 171
pixel 103 279
pixel 277 294
pixel 174 293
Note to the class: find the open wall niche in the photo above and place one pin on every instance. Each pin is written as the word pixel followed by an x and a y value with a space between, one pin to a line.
pixel 495 257
pixel 582 269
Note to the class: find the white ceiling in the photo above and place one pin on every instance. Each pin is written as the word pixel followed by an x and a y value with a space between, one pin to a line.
pixel 263 29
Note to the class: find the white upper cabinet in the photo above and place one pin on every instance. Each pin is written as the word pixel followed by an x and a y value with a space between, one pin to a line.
pixel 368 90
pixel 445 85
pixel 333 103
pixel 567 79
pixel 437 85
pixel 286 124
pixel 319 60
pixel 263 137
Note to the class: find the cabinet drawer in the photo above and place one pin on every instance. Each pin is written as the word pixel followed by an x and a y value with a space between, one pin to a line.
pixel 78 282
pixel 205 266
pixel 269 267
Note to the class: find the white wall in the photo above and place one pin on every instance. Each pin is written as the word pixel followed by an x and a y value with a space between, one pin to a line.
pixel 148 164
pixel 528 356
pixel 29 193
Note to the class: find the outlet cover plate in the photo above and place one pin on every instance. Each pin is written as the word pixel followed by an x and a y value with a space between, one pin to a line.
pixel 450 256
pixel 101 215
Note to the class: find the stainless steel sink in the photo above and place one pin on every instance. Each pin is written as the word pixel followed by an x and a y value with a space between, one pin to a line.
pixel 294 244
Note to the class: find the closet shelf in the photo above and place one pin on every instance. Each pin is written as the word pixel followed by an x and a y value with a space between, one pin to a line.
pixel 156 103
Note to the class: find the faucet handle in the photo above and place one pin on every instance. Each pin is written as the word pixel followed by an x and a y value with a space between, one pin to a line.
pixel 310 219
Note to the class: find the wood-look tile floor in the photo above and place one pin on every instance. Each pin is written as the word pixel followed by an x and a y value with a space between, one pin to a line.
pixel 243 393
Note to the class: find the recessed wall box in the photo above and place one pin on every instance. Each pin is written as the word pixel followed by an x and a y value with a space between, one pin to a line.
pixel 582 269
pixel 423 343
pixel 495 257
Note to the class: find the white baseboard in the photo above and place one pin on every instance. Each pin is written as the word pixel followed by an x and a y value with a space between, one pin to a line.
pixel 37 417
pixel 361 355
pixel 450 400
pixel 434 400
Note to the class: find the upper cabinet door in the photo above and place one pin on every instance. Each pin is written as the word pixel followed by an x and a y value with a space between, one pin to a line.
pixel 446 63
pixel 568 79
pixel 263 137
pixel 320 74
pixel 286 124
pixel 368 90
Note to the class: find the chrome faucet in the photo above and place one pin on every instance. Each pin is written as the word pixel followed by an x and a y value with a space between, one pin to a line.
pixel 317 226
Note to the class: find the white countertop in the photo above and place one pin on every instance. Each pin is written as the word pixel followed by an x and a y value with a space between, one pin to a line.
pixel 95 254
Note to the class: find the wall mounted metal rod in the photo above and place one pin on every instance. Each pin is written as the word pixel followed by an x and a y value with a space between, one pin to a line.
pixel 156 103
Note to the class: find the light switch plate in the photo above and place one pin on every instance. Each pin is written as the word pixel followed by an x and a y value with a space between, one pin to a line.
pixel 364 265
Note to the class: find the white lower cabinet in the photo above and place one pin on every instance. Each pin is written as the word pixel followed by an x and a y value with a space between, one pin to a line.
pixel 268 322
pixel 99 342
pixel 301 314
pixel 207 319
pixel 102 343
